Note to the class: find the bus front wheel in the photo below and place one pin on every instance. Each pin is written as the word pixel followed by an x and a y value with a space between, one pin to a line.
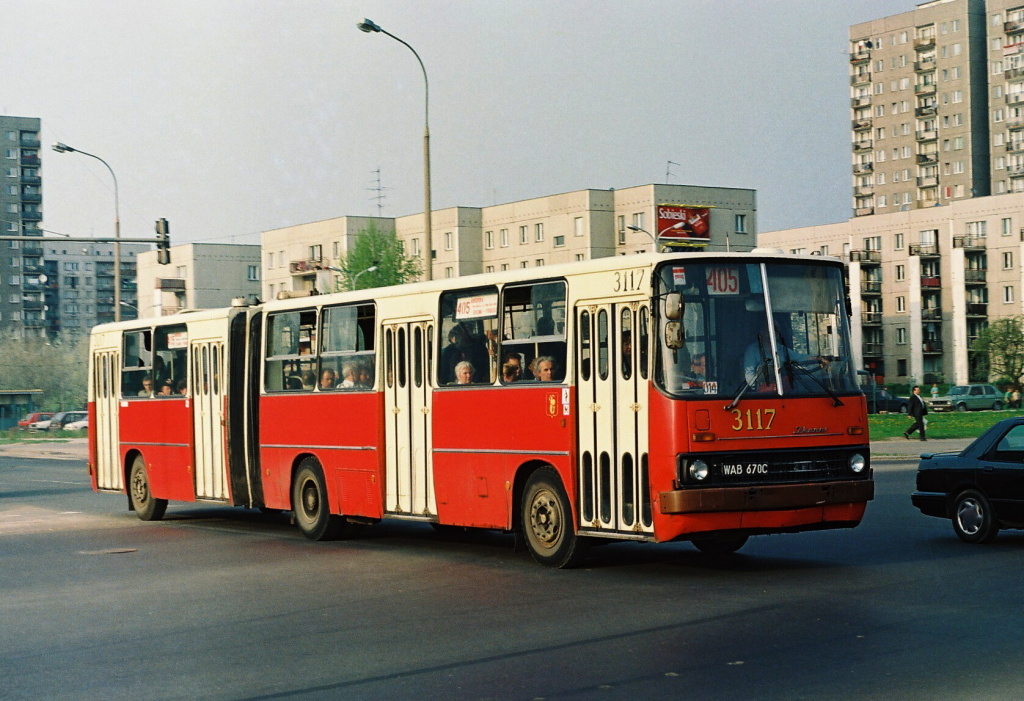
pixel 719 545
pixel 547 522
pixel 146 507
pixel 310 505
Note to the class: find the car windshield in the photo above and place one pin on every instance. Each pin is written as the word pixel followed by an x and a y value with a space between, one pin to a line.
pixel 774 328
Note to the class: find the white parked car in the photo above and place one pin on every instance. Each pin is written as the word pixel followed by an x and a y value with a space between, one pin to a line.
pixel 80 425
pixel 42 425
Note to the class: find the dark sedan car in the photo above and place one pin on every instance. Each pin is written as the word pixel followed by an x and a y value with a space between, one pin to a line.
pixel 980 489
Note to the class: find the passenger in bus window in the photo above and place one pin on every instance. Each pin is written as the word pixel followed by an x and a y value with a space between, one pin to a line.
pixel 546 368
pixel 293 382
pixel 511 372
pixel 167 389
pixel 348 376
pixel 758 368
pixel 698 370
pixel 308 380
pixel 545 325
pixel 627 354
pixel 464 373
pixel 182 387
pixel 327 378
pixel 159 371
pixel 147 387
pixel 365 376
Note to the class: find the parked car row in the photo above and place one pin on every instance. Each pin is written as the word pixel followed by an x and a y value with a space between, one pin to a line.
pixel 958 398
pixel 63 420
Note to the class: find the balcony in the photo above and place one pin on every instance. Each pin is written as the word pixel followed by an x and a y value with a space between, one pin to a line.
pixel 860 102
pixel 27 142
pixel 31 180
pixel 1013 26
pixel 32 305
pixel 975 277
pixel 1015 98
pixel 31 197
pixel 29 159
pixel 928 181
pixel 863 190
pixel 925 64
pixel 873 350
pixel 32 216
pixel 931 281
pixel 869 257
pixel 970 242
pixel 926 111
pixel 924 159
pixel 863 211
pixel 924 250
pixel 927 135
pixel 871 318
pixel 305 267
pixel 870 287
pixel 932 345
pixel 861 124
pixel 977 309
pixel 173 284
pixel 931 314
pixel 1014 146
pixel 1015 124
pixel 1014 73
pixel 925 42
pixel 863 168
pixel 32 269
pixel 860 78
pixel 32 251
pixel 860 56
pixel 862 146
pixel 924 89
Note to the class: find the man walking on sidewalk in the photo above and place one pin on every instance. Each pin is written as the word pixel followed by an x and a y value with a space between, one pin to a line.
pixel 917 409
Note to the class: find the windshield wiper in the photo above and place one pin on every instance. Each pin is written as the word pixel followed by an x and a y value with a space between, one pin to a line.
pixel 793 365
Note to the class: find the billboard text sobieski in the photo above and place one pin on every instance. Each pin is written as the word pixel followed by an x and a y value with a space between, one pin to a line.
pixel 683 224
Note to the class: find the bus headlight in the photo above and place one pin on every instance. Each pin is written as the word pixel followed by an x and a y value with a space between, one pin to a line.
pixel 857 463
pixel 698 470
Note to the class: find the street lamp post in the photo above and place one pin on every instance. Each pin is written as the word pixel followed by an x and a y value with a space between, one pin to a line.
pixel 369 26
pixel 64 148
pixel 355 280
pixel 653 237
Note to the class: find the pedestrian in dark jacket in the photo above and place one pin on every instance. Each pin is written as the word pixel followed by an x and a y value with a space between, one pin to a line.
pixel 917 409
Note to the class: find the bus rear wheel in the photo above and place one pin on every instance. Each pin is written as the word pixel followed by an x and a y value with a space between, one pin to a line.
pixel 146 507
pixel 547 523
pixel 310 505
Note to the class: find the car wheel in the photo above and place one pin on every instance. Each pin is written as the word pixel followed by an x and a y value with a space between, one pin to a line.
pixel 998 406
pixel 973 520
pixel 961 407
pixel 146 507
pixel 904 408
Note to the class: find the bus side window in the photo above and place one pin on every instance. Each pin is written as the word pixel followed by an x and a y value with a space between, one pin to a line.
pixel 348 345
pixel 533 326
pixel 291 345
pixel 469 333
pixel 137 363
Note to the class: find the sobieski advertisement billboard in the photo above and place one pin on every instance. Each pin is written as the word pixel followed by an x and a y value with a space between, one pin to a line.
pixel 684 225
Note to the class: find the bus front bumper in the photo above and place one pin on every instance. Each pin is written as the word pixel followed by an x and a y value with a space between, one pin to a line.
pixel 765 497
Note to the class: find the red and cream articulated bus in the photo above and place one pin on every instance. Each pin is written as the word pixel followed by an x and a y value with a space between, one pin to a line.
pixel 689 396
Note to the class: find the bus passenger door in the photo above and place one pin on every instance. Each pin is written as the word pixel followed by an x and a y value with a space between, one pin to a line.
pixel 407 405
pixel 106 385
pixel 611 388
pixel 207 388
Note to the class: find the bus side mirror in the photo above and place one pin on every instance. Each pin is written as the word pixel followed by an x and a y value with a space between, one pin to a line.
pixel 674 306
pixel 674 335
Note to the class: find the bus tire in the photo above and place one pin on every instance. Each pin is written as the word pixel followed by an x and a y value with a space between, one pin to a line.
pixel 310 504
pixel 719 545
pixel 547 524
pixel 146 507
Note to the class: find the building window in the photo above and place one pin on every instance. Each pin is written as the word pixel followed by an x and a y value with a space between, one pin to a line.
pixel 1007 260
pixel 977 229
pixel 580 256
pixel 415 247
pixel 489 269
pixel 1008 294
pixel 270 261
pixel 577 226
pixel 901 336
pixel 898 243
pixel 741 223
pixel 638 220
pixel 449 272
pixel 524 264
pixel 449 241
pixel 504 266
pixel 504 238
pixel 539 263
pixel 180 271
pixel 559 241
pixel 538 232
pixel 1007 226
pixel 316 253
pixel 901 304
pixel 253 273
pixel 488 240
pixel 523 234
pixel 901 272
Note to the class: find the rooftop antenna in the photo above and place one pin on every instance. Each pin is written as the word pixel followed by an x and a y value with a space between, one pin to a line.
pixel 668 170
pixel 379 189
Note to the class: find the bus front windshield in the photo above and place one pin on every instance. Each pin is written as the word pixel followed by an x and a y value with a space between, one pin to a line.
pixel 730 328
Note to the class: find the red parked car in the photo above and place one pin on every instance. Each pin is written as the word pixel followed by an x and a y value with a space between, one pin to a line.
pixel 32 418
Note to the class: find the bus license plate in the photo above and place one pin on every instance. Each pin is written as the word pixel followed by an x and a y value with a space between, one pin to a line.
pixel 744 469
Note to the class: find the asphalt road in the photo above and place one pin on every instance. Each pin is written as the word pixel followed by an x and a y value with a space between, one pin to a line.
pixel 220 603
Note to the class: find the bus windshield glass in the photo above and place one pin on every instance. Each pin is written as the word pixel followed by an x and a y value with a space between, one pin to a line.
pixel 728 328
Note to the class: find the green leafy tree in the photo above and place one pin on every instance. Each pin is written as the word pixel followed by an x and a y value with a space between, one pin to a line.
pixel 382 249
pixel 58 366
pixel 1000 349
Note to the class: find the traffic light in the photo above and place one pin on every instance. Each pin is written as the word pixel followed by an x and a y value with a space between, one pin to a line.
pixel 163 242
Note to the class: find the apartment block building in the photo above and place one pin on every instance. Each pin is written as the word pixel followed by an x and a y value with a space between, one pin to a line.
pixel 199 276
pixel 560 228
pixel 21 211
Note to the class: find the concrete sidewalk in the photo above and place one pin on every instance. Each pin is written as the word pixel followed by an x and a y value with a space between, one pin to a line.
pixel 70 449
pixel 912 449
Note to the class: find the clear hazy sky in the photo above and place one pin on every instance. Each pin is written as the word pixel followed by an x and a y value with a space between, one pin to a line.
pixel 229 117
